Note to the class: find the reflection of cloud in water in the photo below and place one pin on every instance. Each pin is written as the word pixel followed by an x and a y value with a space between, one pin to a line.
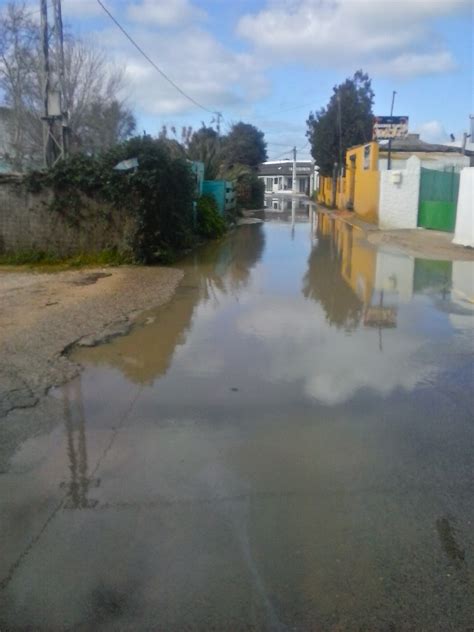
pixel 214 271
pixel 332 367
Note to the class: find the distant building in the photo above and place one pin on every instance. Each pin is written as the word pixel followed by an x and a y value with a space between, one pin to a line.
pixel 431 155
pixel 278 176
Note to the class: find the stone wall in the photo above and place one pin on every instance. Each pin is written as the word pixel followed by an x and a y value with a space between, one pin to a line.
pixel 399 196
pixel 29 223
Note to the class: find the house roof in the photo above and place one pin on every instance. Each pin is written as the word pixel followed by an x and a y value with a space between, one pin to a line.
pixel 413 143
pixel 285 168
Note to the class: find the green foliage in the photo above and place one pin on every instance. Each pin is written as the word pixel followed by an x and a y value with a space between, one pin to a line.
pixel 250 192
pixel 210 223
pixel 244 144
pixel 159 194
pixel 345 122
pixel 38 258
pixel 204 145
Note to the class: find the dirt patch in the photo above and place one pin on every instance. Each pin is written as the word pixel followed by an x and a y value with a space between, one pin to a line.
pixel 418 242
pixel 41 315
pixel 427 244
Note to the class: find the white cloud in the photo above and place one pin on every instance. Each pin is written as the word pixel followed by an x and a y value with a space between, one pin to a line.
pixel 385 36
pixel 213 75
pixel 300 346
pixel 169 13
pixel 412 64
pixel 433 132
pixel 80 9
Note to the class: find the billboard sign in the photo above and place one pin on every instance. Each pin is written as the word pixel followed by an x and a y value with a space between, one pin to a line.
pixel 387 127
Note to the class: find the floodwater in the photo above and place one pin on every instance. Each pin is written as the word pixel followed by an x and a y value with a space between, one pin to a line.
pixel 287 445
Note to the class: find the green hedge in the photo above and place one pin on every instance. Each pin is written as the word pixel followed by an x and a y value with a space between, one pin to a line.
pixel 209 222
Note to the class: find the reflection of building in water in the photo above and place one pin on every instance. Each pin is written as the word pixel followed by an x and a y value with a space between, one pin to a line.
pixel 79 482
pixel 379 280
pixel 288 205
pixel 324 281
pixel 216 270
pixel 376 279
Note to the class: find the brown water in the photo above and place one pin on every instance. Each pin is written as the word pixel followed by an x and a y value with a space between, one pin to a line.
pixel 287 445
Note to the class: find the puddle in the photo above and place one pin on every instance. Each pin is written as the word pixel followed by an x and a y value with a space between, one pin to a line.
pixel 272 450
pixel 92 278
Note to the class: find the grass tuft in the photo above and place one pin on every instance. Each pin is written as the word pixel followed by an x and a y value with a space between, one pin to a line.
pixel 42 259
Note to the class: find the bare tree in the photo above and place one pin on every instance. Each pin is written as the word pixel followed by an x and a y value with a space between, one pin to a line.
pixel 18 44
pixel 98 115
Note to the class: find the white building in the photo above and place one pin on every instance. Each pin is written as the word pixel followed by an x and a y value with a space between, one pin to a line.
pixel 431 155
pixel 278 176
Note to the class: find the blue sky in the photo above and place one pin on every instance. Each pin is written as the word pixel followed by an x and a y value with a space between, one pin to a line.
pixel 261 60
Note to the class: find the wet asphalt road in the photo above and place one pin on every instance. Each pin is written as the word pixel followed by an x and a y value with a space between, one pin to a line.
pixel 286 445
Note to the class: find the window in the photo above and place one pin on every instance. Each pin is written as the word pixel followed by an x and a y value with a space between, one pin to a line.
pixel 367 157
pixel 275 180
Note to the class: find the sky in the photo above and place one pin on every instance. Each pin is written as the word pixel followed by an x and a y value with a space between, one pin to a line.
pixel 271 62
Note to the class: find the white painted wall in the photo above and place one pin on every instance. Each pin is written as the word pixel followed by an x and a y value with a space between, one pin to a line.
pixel 399 195
pixel 464 231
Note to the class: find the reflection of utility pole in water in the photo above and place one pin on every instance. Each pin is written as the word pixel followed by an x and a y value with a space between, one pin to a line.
pixel 381 317
pixel 293 217
pixel 79 484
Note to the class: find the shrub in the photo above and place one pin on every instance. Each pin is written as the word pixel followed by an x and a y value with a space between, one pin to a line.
pixel 159 193
pixel 209 222
pixel 250 191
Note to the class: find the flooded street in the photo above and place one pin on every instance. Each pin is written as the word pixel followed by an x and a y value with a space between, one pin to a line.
pixel 286 445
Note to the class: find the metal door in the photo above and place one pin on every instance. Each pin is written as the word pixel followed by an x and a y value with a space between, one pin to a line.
pixel 438 199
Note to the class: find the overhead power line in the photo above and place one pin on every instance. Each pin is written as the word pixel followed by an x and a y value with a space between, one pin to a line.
pixel 285 153
pixel 155 66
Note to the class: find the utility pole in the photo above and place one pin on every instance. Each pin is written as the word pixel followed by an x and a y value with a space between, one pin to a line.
pixel 339 120
pixel 58 28
pixel 294 171
pixel 218 122
pixel 389 160
pixel 47 153
pixel 54 117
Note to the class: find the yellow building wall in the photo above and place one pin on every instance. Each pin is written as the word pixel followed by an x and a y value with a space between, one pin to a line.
pixel 364 181
pixel 367 180
pixel 325 190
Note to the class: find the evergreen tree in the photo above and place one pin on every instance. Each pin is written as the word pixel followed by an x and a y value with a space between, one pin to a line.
pixel 345 122
pixel 244 145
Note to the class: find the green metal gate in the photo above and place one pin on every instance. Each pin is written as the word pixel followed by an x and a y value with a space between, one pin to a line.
pixel 438 199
